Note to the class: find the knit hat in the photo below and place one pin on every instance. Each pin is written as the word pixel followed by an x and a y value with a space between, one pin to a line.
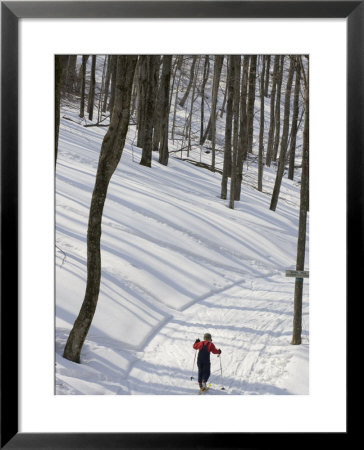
pixel 207 337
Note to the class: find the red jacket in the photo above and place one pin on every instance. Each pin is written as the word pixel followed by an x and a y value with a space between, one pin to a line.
pixel 210 346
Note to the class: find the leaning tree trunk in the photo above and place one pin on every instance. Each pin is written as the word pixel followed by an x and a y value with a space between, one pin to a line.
pixel 284 141
pixel 301 243
pixel 111 151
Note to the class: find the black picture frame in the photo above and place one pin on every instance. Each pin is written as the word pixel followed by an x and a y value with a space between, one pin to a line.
pixel 11 12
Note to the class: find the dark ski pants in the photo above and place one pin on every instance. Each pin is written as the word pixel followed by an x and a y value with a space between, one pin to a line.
pixel 204 371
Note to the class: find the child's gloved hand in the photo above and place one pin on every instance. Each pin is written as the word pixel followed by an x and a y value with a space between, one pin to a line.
pixel 219 352
pixel 197 340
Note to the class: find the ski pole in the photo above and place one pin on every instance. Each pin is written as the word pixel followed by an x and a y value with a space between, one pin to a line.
pixel 193 365
pixel 221 375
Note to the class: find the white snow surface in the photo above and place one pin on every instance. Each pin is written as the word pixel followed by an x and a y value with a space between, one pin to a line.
pixel 176 263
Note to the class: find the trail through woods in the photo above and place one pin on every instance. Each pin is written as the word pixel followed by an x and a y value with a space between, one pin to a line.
pixel 176 262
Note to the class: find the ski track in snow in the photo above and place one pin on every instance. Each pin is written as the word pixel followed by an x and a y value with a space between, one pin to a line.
pixel 170 282
pixel 254 342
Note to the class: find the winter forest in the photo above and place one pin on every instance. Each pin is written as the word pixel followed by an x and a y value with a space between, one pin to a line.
pixel 181 208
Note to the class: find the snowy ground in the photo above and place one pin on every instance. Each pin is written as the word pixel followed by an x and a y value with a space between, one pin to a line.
pixel 176 263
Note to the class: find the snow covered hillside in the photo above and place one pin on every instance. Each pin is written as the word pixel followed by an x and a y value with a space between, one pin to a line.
pixel 176 262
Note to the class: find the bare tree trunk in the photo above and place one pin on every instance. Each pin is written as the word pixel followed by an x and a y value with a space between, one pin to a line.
pixel 183 101
pixel 223 104
pixel 152 69
pixel 91 95
pixel 251 100
pixel 165 82
pixel 83 85
pixel 267 71
pixel 60 64
pixel 243 138
pixel 292 149
pixel 219 59
pixel 142 84
pixel 226 173
pixel 113 83
pixel 206 71
pixel 284 141
pixel 261 128
pixel 278 111
pixel 111 151
pixel 175 100
pixel 107 83
pixel 301 243
pixel 71 76
pixel 236 60
pixel 272 112
pixel 189 124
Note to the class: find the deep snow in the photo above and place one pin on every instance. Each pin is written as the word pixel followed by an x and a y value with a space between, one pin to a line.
pixel 176 262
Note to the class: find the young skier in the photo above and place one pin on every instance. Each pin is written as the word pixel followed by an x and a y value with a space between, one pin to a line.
pixel 203 360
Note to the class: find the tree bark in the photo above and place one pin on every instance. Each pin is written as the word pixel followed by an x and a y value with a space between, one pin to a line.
pixel 107 83
pixel 164 122
pixel 226 173
pixel 113 83
pixel 301 242
pixel 206 70
pixel 71 76
pixel 272 122
pixel 151 76
pixel 251 100
pixel 91 95
pixel 267 75
pixel 278 111
pixel 236 103
pixel 284 141
pixel 292 148
pixel 219 59
pixel 142 85
pixel 60 64
pixel 243 138
pixel 184 98
pixel 83 85
pixel 111 151
pixel 261 128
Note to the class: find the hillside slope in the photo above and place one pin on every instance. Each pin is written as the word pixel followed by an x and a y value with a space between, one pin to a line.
pixel 176 262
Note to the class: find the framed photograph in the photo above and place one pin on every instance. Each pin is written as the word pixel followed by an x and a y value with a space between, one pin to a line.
pixel 48 400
